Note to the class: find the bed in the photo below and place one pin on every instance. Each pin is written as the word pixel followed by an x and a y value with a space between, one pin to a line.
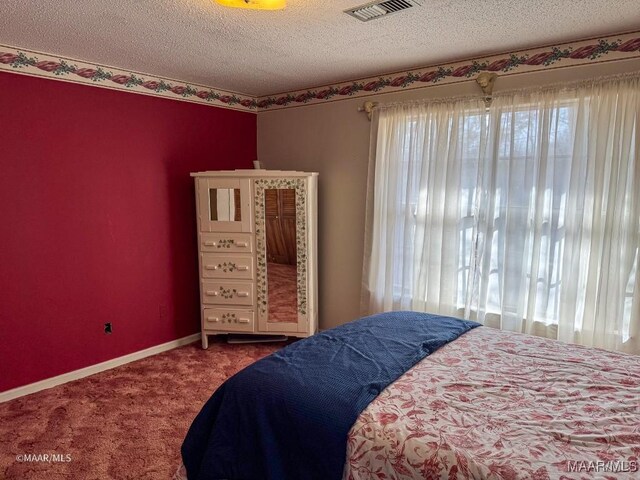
pixel 475 403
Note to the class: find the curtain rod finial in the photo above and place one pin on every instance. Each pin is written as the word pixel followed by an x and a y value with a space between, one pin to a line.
pixel 368 107
pixel 486 80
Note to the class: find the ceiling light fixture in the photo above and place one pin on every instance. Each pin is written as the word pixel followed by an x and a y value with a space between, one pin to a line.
pixel 254 4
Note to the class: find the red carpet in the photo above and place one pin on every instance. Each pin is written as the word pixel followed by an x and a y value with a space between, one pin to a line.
pixel 125 423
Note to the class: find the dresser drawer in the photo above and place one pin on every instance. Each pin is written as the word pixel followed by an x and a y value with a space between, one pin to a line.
pixel 216 265
pixel 230 320
pixel 226 242
pixel 227 293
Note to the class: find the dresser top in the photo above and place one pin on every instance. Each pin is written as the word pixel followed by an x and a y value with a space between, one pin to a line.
pixel 254 173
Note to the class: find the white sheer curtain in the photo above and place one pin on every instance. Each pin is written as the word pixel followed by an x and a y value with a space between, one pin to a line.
pixel 524 216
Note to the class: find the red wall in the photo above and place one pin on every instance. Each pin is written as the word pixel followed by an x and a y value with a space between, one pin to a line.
pixel 98 220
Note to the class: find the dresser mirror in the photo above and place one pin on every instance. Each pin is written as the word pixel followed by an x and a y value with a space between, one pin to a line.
pixel 224 204
pixel 281 246
pixel 281 253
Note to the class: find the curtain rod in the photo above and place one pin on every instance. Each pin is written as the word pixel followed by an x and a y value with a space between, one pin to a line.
pixel 481 79
pixel 485 81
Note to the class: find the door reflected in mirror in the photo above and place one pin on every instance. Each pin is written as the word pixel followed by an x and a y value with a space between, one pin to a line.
pixel 224 204
pixel 282 274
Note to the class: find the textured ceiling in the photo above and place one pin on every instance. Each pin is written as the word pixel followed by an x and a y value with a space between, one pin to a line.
pixel 309 43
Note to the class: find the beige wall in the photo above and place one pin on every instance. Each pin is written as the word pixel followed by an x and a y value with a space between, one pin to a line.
pixel 333 139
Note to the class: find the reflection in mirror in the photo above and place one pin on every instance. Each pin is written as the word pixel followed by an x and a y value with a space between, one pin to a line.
pixel 280 225
pixel 224 204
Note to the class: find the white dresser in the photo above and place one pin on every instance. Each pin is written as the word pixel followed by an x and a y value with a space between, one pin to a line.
pixel 257 236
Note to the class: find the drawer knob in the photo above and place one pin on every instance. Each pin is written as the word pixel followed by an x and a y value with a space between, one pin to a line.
pixel 241 244
pixel 243 294
pixel 210 267
pixel 243 268
pixel 212 293
pixel 209 244
pixel 244 320
pixel 213 319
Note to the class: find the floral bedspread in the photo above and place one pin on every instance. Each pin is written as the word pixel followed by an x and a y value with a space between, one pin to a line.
pixel 501 405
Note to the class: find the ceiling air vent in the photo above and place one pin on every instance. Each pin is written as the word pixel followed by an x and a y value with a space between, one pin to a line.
pixel 373 10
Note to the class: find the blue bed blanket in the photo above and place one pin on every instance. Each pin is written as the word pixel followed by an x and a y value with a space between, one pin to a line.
pixel 287 416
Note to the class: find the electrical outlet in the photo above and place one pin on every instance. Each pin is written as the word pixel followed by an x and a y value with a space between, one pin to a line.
pixel 107 328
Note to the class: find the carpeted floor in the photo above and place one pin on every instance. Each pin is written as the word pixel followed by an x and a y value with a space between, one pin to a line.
pixel 125 423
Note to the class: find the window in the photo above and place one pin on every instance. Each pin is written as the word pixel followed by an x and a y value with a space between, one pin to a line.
pixel 524 216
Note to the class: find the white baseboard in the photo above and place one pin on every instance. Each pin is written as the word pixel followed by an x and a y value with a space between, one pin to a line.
pixel 99 367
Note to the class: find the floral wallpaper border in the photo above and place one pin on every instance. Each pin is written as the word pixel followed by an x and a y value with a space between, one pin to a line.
pixel 603 49
pixel 44 65
pixel 597 50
